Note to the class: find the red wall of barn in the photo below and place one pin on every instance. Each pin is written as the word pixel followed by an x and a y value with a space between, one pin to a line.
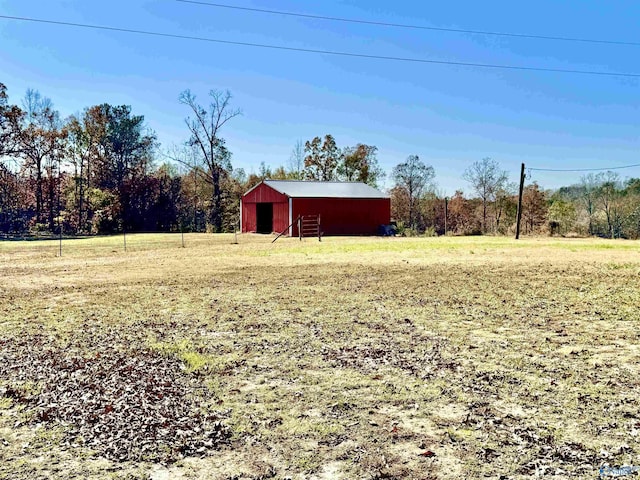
pixel 345 216
pixel 265 194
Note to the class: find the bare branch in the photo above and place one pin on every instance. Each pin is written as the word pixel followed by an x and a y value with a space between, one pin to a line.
pixel 205 126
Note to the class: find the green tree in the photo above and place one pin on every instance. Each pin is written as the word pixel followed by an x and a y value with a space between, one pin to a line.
pixel 562 213
pixel 126 155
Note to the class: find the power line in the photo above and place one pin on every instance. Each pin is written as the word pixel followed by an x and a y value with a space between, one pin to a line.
pixel 582 169
pixel 326 52
pixel 414 27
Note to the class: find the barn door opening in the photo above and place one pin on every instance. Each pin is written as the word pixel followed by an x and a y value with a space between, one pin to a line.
pixel 264 217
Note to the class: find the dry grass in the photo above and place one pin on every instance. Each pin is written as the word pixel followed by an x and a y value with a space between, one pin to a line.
pixel 349 358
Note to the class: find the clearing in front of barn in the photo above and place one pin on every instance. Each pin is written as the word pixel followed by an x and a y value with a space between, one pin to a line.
pixel 350 358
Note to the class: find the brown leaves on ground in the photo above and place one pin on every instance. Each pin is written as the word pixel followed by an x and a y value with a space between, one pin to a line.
pixel 418 355
pixel 540 451
pixel 124 404
pixel 353 358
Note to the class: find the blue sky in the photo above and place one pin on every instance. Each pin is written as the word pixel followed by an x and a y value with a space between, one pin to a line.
pixel 450 116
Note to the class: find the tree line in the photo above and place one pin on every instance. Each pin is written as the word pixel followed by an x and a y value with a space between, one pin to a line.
pixel 601 204
pixel 103 171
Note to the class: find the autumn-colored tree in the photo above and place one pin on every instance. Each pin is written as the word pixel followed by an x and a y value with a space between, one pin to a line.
pixel 399 204
pixel 322 159
pixel 505 207
pixel 431 213
pixel 461 215
pixel 85 147
pixel 41 143
pixel 534 208
pixel 14 203
pixel 16 206
pixel 487 180
pixel 234 188
pixel 11 117
pixel 195 191
pixel 415 177
pixel 359 164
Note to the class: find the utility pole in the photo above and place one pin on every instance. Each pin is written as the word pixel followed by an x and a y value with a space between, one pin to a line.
pixel 519 216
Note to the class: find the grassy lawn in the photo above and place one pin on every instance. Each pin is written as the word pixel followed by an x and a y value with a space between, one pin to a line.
pixel 352 358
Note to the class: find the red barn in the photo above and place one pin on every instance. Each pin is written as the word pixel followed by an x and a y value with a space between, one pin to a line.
pixel 344 208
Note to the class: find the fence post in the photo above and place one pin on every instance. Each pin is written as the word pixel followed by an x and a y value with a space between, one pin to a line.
pixel 319 236
pixel 300 227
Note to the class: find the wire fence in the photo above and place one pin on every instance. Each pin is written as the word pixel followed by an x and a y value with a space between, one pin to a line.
pixel 121 244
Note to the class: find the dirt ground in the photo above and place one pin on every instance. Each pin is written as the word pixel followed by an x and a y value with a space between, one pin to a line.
pixel 354 358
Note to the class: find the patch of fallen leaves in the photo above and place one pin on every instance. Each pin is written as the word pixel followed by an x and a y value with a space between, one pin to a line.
pixel 541 452
pixel 422 356
pixel 123 403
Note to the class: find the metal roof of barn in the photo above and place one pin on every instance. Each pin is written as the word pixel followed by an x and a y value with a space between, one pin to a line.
pixel 306 189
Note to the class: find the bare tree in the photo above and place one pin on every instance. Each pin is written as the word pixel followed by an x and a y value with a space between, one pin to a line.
pixel 296 161
pixel 589 185
pixel 214 159
pixel 487 179
pixel 504 203
pixel 609 195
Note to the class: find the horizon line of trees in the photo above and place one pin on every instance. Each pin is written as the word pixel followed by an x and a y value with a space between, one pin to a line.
pixel 602 205
pixel 102 171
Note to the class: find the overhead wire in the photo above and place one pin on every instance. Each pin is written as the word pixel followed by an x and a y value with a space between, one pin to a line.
pixel 324 52
pixel 410 26
pixel 581 169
